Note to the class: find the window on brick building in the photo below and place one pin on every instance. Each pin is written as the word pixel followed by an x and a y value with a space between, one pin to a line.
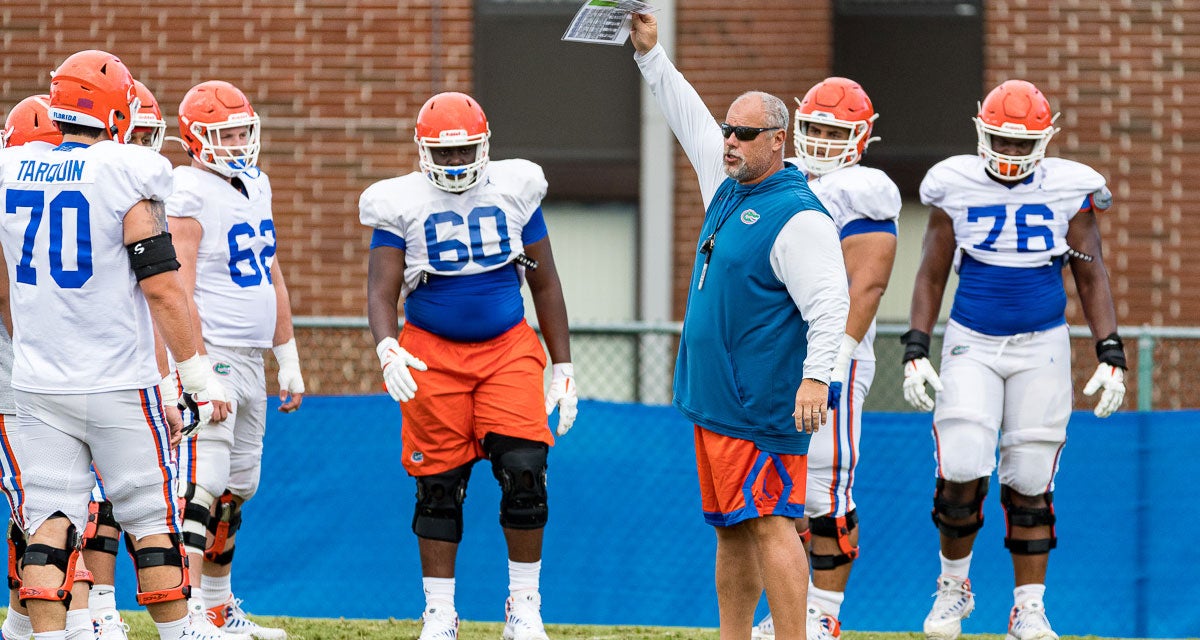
pixel 921 61
pixel 572 108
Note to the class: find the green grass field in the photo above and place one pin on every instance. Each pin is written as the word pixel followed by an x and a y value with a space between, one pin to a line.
pixel 142 628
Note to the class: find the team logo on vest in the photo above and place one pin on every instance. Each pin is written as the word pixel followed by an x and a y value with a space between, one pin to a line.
pixel 222 368
pixel 417 457
pixel 749 216
pixel 960 349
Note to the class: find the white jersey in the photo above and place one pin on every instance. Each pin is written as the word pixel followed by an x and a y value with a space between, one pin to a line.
pixel 234 290
pixel 1020 226
pixel 857 193
pixel 81 323
pixel 454 234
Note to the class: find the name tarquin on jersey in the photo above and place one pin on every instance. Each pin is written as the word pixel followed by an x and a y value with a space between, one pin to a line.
pixel 36 171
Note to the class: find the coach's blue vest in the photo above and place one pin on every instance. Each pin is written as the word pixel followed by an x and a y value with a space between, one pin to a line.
pixel 741 355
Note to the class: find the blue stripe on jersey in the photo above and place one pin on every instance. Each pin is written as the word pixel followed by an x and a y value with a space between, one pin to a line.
pixel 381 238
pixel 866 225
pixel 535 229
pixel 1003 301
pixel 470 308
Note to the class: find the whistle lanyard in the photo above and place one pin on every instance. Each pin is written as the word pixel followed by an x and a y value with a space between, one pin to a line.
pixel 710 243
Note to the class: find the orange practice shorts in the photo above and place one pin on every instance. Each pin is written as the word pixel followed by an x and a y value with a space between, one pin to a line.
pixel 470 390
pixel 739 481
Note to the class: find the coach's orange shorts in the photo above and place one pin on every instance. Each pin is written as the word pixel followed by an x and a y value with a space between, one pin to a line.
pixel 739 481
pixel 470 390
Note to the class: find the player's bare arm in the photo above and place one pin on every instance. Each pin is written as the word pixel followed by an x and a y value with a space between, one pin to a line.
pixel 284 344
pixel 548 300
pixel 937 256
pixel 385 277
pixel 869 259
pixel 1091 276
pixel 169 305
pixel 5 311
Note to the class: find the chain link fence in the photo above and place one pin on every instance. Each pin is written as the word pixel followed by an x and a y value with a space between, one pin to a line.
pixel 635 361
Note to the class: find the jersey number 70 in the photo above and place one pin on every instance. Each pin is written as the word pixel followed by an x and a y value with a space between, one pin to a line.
pixel 65 201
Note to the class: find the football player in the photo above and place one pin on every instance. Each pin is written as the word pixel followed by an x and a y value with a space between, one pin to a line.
pixel 100 550
pixel 103 411
pixel 221 218
pixel 455 241
pixel 832 129
pixel 1008 220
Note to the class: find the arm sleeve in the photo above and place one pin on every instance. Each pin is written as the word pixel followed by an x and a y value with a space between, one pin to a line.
pixel 688 118
pixel 807 258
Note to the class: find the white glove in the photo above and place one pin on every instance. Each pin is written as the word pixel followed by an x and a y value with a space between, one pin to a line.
pixel 288 358
pixel 917 372
pixel 169 390
pixel 562 394
pixel 841 370
pixel 396 362
pixel 1112 380
pixel 200 390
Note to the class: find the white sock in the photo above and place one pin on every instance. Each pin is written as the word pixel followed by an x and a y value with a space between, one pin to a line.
pixel 1028 593
pixel 79 625
pixel 829 602
pixel 957 568
pixel 524 576
pixel 102 597
pixel 172 630
pixel 216 590
pixel 17 626
pixel 440 590
pixel 50 635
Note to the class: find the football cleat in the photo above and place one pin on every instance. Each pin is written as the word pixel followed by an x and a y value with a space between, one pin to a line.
pixel 953 603
pixel 1028 622
pixel 523 617
pixel 764 630
pixel 822 626
pixel 110 626
pixel 231 619
pixel 439 623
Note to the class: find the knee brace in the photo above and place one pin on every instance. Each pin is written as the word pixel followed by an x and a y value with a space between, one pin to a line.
pixel 103 514
pixel 223 527
pixel 196 514
pixel 1019 516
pixel 172 556
pixel 16 551
pixel 839 529
pixel 63 558
pixel 959 511
pixel 440 499
pixel 520 467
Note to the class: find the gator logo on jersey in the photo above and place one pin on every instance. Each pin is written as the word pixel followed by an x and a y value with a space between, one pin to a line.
pixel 222 368
pixel 749 216
pixel 417 457
pixel 960 349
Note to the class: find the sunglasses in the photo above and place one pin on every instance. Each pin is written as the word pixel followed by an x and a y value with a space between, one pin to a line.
pixel 745 134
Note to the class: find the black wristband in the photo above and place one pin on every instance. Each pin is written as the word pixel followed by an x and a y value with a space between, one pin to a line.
pixel 1111 350
pixel 916 344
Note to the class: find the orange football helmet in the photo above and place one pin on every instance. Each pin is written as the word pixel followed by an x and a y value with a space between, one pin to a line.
pixel 149 116
pixel 94 89
pixel 1015 109
pixel 219 127
pixel 452 119
pixel 838 102
pixel 29 121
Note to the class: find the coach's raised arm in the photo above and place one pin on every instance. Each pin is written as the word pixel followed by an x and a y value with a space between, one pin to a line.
pixel 765 316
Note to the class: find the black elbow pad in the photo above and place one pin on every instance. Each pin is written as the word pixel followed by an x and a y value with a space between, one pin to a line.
pixel 152 256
